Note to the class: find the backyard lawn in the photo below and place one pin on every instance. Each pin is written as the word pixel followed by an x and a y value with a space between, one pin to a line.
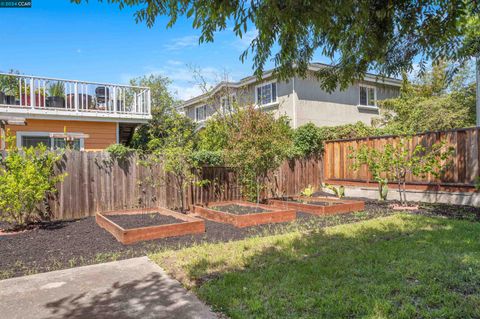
pixel 399 266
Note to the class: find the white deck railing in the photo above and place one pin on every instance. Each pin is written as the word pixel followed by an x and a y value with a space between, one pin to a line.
pixel 31 93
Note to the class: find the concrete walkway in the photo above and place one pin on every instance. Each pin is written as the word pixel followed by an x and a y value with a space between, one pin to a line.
pixel 132 288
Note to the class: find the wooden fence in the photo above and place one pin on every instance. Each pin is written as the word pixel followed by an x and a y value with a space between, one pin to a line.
pixel 459 175
pixel 96 183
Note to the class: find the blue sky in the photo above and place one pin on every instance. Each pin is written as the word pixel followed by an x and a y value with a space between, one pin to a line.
pixel 98 42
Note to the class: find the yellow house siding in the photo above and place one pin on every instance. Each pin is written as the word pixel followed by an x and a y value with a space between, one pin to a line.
pixel 101 134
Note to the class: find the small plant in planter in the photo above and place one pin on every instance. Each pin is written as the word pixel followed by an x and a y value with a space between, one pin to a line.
pixel 9 89
pixel 56 96
pixel 338 191
pixel 308 192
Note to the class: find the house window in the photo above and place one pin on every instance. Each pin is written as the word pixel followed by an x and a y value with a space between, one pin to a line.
pixel 368 96
pixel 201 113
pixel 227 101
pixel 266 93
pixel 33 139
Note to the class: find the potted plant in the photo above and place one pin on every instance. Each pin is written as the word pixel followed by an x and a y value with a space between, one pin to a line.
pixel 56 94
pixel 8 89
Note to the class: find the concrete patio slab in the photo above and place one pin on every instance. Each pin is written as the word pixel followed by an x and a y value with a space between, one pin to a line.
pixel 132 288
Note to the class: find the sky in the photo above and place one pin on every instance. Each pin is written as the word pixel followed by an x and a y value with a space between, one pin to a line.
pixel 98 42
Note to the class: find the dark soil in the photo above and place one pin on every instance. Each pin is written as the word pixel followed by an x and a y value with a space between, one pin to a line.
pixel 239 209
pixel 66 244
pixel 143 220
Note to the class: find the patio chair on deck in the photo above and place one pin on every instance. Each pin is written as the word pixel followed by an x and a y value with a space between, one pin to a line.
pixel 103 96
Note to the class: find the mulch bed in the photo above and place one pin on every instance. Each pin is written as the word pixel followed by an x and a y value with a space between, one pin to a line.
pixel 239 209
pixel 65 244
pixel 143 220
pixel 310 202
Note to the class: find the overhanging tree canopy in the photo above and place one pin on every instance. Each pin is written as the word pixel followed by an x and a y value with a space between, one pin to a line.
pixel 358 36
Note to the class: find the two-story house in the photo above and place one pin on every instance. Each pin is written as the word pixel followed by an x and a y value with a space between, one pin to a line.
pixel 89 115
pixel 301 99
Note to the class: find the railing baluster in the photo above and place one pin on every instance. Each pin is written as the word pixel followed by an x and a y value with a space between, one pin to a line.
pixel 75 96
pixel 32 93
pixel 20 91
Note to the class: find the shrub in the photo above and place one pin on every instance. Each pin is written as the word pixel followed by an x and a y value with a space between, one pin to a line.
pixel 307 140
pixel 119 151
pixel 26 178
pixel 258 143
pixel 208 158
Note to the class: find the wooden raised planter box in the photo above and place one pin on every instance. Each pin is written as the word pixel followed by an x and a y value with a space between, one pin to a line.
pixel 274 214
pixel 191 225
pixel 332 205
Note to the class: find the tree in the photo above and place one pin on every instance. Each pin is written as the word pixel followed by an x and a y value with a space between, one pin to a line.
pixel 431 102
pixel 163 111
pixel 258 143
pixel 357 36
pixel 395 161
pixel 174 149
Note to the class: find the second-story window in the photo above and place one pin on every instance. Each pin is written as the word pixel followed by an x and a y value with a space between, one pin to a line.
pixel 227 102
pixel 368 96
pixel 201 113
pixel 266 93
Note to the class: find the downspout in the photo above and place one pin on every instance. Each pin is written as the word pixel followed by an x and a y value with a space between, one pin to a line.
pixel 117 129
pixel 294 95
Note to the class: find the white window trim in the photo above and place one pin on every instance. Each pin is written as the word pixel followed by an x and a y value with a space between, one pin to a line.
pixel 206 116
pixel 276 94
pixel 228 97
pixel 368 107
pixel 20 134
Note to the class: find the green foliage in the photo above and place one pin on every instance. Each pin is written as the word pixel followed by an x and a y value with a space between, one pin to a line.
pixel 347 131
pixel 395 161
pixel 258 143
pixel 307 140
pixel 431 103
pixel 207 158
pixel 9 84
pixel 164 117
pixel 360 36
pixel 26 178
pixel 214 136
pixel 338 191
pixel 308 192
pixel 119 151
pixel 57 89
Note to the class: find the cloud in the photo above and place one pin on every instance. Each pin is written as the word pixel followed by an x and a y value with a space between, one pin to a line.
pixel 244 42
pixel 182 43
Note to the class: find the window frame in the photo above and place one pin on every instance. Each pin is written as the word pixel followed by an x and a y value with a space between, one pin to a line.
pixel 367 87
pixel 21 134
pixel 257 102
pixel 204 106
pixel 230 99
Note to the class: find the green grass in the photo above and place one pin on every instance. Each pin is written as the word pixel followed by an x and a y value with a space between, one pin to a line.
pixel 402 266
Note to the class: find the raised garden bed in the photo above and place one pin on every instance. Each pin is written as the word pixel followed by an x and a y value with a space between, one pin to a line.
pixel 131 226
pixel 318 205
pixel 244 214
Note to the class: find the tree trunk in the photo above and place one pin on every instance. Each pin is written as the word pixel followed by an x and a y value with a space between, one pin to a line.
pixel 478 89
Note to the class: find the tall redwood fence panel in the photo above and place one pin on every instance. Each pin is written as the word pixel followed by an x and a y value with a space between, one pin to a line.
pixel 460 174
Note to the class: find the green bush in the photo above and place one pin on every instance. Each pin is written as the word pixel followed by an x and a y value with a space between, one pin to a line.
pixel 208 158
pixel 25 180
pixel 307 140
pixel 119 151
